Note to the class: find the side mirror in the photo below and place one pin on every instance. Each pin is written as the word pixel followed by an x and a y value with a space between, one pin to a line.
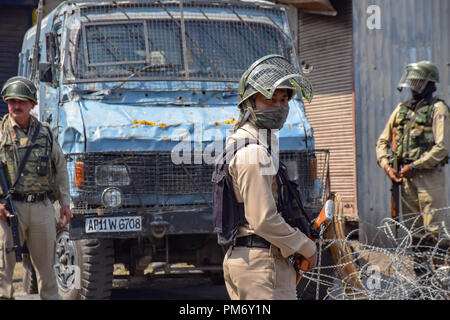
pixel 45 72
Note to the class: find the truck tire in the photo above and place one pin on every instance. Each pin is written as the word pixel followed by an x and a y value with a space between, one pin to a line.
pixel 307 288
pixel 29 279
pixel 84 268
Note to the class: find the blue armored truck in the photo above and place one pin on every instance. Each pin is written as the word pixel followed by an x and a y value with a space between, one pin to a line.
pixel 141 96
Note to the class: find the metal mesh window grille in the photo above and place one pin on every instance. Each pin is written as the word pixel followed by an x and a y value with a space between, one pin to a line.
pixel 165 45
pixel 150 48
pixel 121 43
pixel 309 169
pixel 192 42
pixel 226 49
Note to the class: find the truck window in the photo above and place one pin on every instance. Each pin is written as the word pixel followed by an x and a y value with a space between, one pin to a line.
pixel 154 49
pixel 24 63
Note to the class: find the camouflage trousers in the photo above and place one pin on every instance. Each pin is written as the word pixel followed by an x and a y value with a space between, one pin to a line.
pixel 37 226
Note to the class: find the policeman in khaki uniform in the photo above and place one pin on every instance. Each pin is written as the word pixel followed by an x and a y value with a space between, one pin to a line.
pixel 256 266
pixel 33 190
pixel 421 127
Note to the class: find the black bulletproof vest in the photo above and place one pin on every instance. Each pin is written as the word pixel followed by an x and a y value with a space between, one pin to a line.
pixel 229 214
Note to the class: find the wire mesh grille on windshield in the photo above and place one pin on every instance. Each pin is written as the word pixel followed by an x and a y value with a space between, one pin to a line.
pixel 151 174
pixel 146 40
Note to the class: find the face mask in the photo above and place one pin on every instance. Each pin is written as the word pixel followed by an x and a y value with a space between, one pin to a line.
pixel 427 92
pixel 271 118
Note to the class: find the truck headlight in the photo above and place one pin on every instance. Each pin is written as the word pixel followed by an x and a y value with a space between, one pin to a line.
pixel 111 175
pixel 112 197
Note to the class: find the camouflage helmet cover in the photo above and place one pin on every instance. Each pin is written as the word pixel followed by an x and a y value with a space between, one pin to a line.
pixel 19 88
pixel 269 73
pixel 417 75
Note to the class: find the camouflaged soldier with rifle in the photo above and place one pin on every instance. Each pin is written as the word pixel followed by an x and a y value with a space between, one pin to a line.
pixel 36 174
pixel 251 210
pixel 419 131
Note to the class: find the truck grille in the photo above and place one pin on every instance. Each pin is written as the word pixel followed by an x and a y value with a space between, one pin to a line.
pixel 154 173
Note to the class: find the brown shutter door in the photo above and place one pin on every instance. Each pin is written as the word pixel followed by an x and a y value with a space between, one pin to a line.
pixel 326 43
pixel 14 22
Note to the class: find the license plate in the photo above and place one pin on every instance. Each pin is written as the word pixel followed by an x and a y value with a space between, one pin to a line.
pixel 113 224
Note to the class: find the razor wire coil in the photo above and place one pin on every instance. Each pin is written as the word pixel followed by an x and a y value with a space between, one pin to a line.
pixel 413 266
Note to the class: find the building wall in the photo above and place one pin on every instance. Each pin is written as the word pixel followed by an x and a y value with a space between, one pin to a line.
pixel 325 42
pixel 400 32
pixel 14 22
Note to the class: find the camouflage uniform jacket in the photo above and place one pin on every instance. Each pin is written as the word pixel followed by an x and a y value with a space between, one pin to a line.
pixel 13 144
pixel 421 137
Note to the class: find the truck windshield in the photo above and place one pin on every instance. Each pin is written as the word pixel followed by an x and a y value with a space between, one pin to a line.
pixel 219 50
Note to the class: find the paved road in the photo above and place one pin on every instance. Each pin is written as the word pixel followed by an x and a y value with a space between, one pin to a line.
pixel 183 287
pixel 180 287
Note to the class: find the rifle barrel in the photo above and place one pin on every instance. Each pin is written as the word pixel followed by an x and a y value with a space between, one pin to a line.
pixel 13 221
pixel 36 49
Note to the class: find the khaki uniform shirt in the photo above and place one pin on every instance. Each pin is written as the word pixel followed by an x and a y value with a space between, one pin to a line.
pixel 57 157
pixel 441 133
pixel 256 188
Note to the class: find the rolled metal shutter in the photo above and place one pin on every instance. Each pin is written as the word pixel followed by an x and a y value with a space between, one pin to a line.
pixel 14 22
pixel 326 43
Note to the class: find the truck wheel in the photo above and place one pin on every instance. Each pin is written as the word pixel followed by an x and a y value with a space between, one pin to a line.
pixel 84 268
pixel 307 288
pixel 29 279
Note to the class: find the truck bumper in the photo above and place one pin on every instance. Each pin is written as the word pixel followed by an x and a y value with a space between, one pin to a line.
pixel 156 224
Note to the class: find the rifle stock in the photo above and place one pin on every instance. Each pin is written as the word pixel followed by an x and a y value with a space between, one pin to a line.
pixel 13 221
pixel 324 217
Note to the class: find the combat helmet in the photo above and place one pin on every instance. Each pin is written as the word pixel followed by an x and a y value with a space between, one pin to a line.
pixel 269 73
pixel 417 75
pixel 19 88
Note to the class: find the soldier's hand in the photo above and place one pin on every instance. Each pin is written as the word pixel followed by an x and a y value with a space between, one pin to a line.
pixel 65 215
pixel 312 261
pixel 4 213
pixel 392 174
pixel 306 264
pixel 407 172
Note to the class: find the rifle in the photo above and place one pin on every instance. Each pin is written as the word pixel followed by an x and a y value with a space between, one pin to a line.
pixel 7 191
pixel 395 188
pixel 36 48
pixel 315 229
pixel 13 221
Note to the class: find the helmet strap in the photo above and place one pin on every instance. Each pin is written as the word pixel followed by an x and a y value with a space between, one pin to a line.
pixel 250 107
pixel 243 116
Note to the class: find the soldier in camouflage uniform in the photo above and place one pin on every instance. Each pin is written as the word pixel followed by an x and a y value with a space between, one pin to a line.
pixel 34 191
pixel 420 131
